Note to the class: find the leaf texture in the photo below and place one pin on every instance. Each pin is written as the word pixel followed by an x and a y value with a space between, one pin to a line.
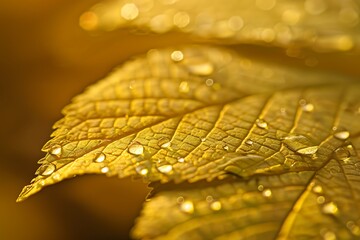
pixel 279 145
pixel 317 24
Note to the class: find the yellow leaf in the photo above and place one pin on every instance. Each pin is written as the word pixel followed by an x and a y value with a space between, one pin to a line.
pixel 200 117
pixel 317 24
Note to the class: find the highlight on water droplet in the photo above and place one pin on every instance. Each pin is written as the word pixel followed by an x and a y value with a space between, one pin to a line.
pixel 181 160
pixel 308 150
pixel 261 123
pixel 136 148
pixel 165 168
pixel 267 193
pixel 260 188
pixel 187 207
pixel 184 87
pixel 330 208
pixel 164 142
pixel 104 169
pixel 142 170
pixel 309 107
pixel 56 150
pixel 215 206
pixel 177 56
pixel 202 68
pixel 129 11
pixel 317 189
pixel 46 169
pixel 342 135
pixel 226 148
pixel 100 157
pixel 342 154
pixel 249 142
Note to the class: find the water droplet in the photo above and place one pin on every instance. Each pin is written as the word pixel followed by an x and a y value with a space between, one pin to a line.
pixel 267 193
pixel 142 170
pixel 249 142
pixel 104 169
pixel 330 208
pixel 129 11
pixel 56 176
pixel 209 82
pixel 260 188
pixel 181 160
pixel 261 123
pixel 308 150
pixel 164 142
pixel 56 150
pixel 309 107
pixel 342 154
pixel 177 56
pixel 165 168
pixel 136 148
pixel 46 169
pixel 317 189
pixel 184 87
pixel 226 148
pixel 187 207
pixel 180 199
pixel 343 135
pixel 201 68
pixel 100 158
pixel 203 139
pixel 320 199
pixel 209 198
pixel 215 206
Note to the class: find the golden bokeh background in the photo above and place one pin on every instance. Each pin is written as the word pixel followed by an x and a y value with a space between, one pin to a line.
pixel 46 59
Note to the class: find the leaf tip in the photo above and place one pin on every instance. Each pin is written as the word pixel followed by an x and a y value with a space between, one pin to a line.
pixel 26 192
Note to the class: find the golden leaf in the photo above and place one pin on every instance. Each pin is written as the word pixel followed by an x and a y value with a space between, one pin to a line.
pixel 317 24
pixel 278 145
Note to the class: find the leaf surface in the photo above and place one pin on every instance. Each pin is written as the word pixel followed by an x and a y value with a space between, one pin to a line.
pixel 316 24
pixel 278 145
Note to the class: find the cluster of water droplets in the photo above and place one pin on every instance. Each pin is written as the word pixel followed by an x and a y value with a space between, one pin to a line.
pixel 188 206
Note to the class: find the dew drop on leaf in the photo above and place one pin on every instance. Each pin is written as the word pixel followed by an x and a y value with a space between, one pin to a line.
pixel 164 142
pixel 104 169
pixel 267 193
pixel 187 207
pixel 330 208
pixel 180 199
pixel 136 148
pixel 215 206
pixel 181 160
pixel 209 82
pixel 177 56
pixel 46 169
pixel 249 142
pixel 261 123
pixel 142 170
pixel 317 189
pixel 202 68
pixel 226 148
pixel 184 87
pixel 100 158
pixel 320 199
pixel 308 150
pixel 56 150
pixel 343 135
pixel 260 188
pixel 309 107
pixel 165 168
pixel 342 154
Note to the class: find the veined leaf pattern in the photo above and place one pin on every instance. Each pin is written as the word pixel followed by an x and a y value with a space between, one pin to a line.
pixel 278 145
pixel 317 24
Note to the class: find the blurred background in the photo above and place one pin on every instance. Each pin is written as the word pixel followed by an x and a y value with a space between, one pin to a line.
pixel 46 59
